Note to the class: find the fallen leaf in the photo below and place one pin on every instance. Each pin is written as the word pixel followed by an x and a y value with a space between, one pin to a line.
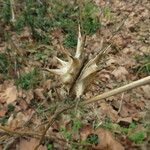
pixel 39 93
pixel 109 111
pixel 146 90
pixel 111 61
pixel 3 111
pixel 30 144
pixel 10 95
pixel 105 139
pixel 28 95
pixel 120 73
pixel 19 120
pixel 47 84
pixel 23 104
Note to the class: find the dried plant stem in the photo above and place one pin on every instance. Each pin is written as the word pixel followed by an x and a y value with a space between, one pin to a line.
pixel 51 121
pixel 12 11
pixel 124 88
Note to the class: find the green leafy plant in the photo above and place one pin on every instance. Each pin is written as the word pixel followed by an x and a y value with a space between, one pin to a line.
pixel 106 11
pixel 27 80
pixel 116 127
pixel 5 11
pixel 137 137
pixel 70 40
pixel 92 139
pixel 42 16
pixel 3 120
pixel 144 64
pixel 49 147
pixel 76 125
pixel 90 19
pixel 3 63
pixel 67 134
pixel 66 15
pixel 10 108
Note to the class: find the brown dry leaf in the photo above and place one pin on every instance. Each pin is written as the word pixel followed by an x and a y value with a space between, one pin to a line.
pixel 111 61
pixel 47 84
pixel 120 73
pixel 109 111
pixel 138 116
pixel 29 96
pixel 85 131
pixel 126 61
pixel 146 90
pixel 25 34
pixel 30 144
pixel 105 139
pixel 23 104
pixel 19 120
pixel 39 93
pixel 124 112
pixel 3 111
pixel 9 95
pixel 119 41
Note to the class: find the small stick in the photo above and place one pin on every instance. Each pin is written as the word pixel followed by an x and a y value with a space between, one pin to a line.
pixel 120 107
pixel 121 89
pixel 12 11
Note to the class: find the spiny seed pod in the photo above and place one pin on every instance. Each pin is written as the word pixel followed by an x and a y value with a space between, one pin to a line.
pixel 73 74
pixel 68 71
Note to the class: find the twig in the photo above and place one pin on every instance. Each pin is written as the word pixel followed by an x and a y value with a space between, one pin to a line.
pixel 124 88
pixel 51 121
pixel 9 143
pixel 12 11
pixel 120 107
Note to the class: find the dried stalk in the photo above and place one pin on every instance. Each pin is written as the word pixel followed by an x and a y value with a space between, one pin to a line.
pixel 12 11
pixel 124 88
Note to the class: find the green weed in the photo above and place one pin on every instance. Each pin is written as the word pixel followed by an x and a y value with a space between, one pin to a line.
pixel 3 120
pixel 75 126
pixel 43 16
pixel 3 63
pixel 116 127
pixel 144 64
pixel 137 137
pixel 27 80
pixel 66 16
pixel 67 134
pixel 70 40
pixel 49 147
pixel 5 11
pixel 10 108
pixel 90 20
pixel 92 139
pixel 106 11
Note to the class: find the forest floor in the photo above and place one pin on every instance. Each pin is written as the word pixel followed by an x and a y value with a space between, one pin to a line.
pixel 29 96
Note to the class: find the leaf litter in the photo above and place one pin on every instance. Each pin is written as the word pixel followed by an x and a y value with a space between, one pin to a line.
pixel 119 70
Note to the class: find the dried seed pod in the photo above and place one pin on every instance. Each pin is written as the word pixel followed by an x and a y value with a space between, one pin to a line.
pixel 70 69
pixel 70 72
